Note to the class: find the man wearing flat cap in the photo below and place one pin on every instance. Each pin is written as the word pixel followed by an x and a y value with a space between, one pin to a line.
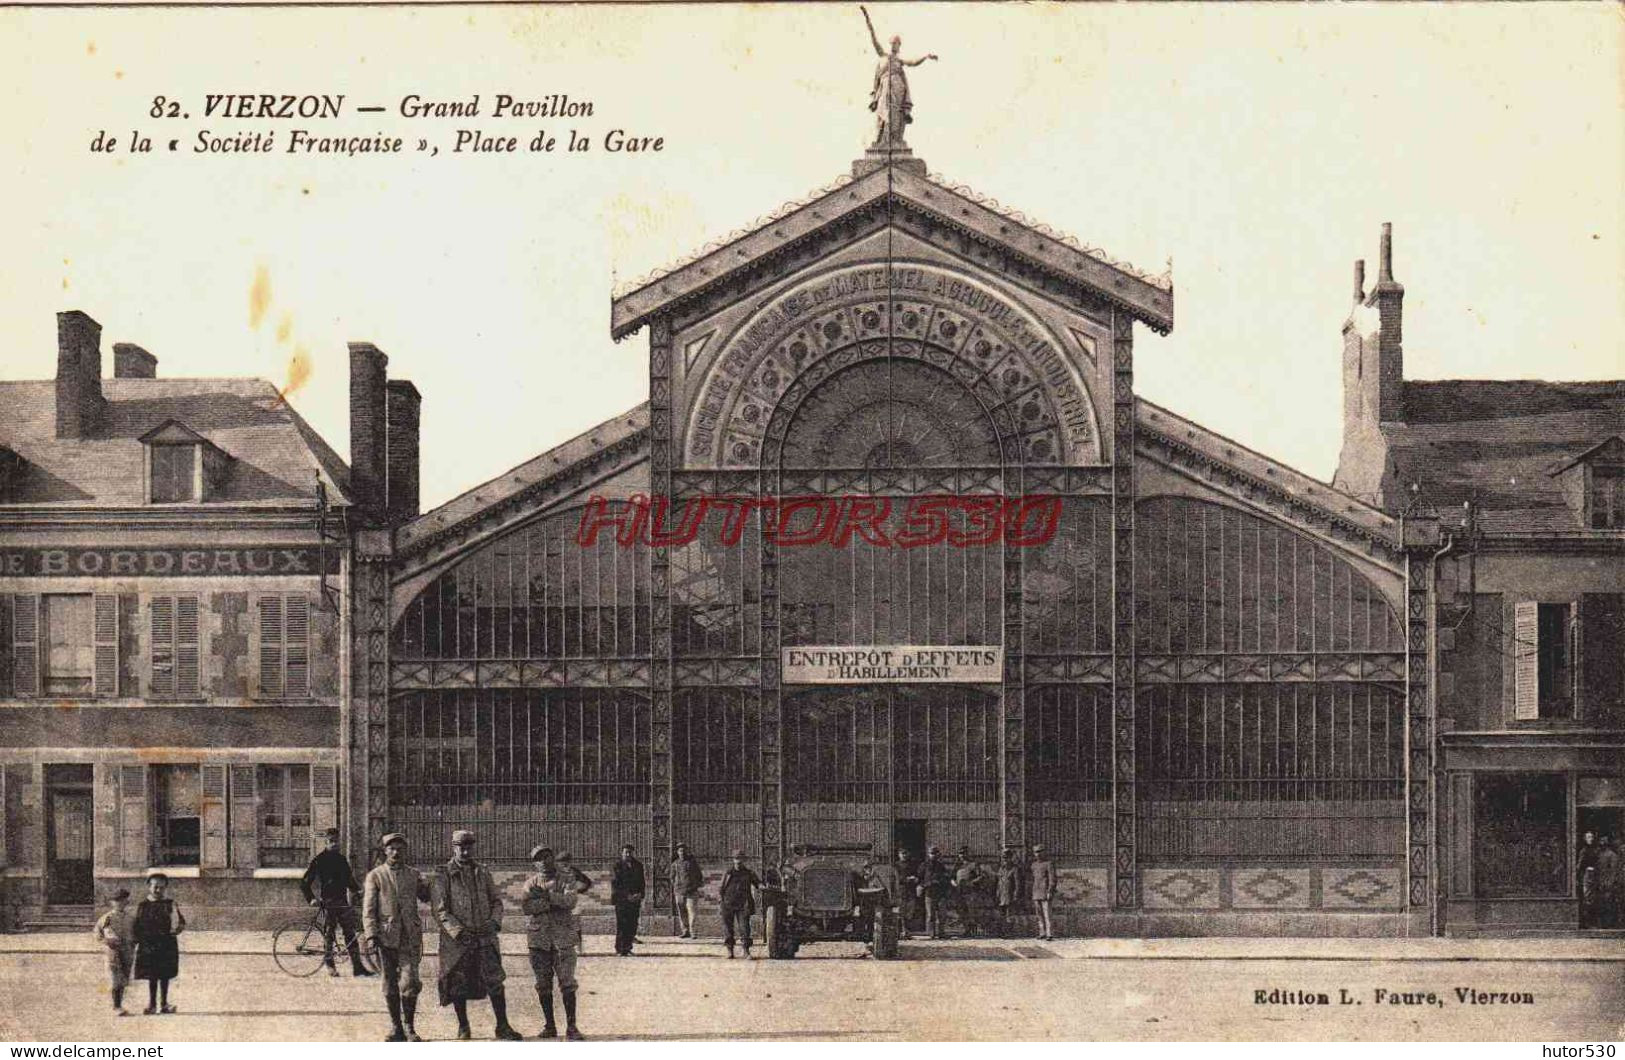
pixel 468 907
pixel 738 893
pixel 391 922
pixel 549 906
pixel 328 884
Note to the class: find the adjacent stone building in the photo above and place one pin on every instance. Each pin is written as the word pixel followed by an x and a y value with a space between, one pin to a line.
pixel 1527 594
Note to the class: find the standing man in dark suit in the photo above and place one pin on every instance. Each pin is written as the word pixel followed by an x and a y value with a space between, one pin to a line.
pixel 626 892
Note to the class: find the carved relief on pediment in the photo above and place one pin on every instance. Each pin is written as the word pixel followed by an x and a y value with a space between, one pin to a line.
pixel 1018 370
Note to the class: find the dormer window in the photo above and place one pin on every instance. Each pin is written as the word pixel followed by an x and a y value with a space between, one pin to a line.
pixel 182 466
pixel 175 473
pixel 1593 483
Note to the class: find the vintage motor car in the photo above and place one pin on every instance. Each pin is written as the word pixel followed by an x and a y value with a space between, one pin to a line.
pixel 830 894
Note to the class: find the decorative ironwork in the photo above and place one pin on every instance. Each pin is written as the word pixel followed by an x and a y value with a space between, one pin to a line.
pixel 1125 862
pixel 661 466
pixel 1419 748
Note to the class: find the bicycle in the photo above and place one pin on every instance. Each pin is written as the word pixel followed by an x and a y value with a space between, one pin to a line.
pixel 299 947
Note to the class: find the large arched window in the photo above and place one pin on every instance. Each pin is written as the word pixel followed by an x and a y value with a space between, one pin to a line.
pixel 891 414
pixel 534 593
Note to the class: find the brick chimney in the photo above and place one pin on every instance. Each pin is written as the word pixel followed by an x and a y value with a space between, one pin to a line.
pixel 402 406
pixel 79 401
pixel 368 427
pixel 132 362
pixel 1389 298
pixel 1373 377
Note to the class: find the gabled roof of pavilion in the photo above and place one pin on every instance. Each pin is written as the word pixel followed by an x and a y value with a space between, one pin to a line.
pixel 1059 261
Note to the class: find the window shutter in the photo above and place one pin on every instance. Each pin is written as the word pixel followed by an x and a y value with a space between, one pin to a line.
pixel 1526 660
pixel 186 647
pixel 25 645
pixel 213 817
pixel 132 799
pixel 106 645
pixel 1601 660
pixel 296 645
pixel 245 816
pixel 162 682
pixel 324 804
pixel 270 646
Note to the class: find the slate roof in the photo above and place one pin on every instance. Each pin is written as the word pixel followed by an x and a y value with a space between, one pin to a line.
pixel 1498 442
pixel 276 455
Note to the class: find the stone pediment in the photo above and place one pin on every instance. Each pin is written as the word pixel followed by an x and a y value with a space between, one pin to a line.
pixel 979 228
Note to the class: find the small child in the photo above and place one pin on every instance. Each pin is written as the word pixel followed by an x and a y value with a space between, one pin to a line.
pixel 115 931
pixel 157 957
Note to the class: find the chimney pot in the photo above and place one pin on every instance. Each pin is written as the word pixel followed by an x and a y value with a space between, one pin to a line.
pixel 1385 271
pixel 132 362
pixel 368 365
pixel 1359 281
pixel 79 399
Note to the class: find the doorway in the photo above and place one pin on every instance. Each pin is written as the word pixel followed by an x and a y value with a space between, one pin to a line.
pixel 908 833
pixel 69 836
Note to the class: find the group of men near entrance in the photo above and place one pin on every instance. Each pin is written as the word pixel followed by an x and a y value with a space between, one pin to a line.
pixel 986 899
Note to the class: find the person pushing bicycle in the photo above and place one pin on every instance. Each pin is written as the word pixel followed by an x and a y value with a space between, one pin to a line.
pixel 328 885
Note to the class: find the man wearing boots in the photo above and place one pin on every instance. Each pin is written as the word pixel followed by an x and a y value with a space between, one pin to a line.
pixel 738 893
pixel 390 921
pixel 549 901
pixel 468 907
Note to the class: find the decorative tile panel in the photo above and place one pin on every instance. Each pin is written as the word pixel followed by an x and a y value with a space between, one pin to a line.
pixel 1179 888
pixel 1270 889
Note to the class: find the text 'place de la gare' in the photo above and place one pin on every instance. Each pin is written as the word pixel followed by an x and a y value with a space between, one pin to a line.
pixel 1228 698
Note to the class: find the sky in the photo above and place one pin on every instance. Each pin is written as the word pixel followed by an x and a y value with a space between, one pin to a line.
pixel 1259 147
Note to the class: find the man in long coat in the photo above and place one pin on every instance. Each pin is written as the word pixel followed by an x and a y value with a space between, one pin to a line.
pixel 1044 885
pixel 468 907
pixel 390 921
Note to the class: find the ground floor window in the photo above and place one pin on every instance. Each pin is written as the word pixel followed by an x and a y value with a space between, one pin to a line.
pixel 1520 835
pixel 284 815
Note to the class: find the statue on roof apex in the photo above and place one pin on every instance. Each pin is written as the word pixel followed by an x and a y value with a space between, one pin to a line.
pixel 889 97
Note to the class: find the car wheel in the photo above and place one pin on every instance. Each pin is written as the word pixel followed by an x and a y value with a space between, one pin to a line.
pixel 778 947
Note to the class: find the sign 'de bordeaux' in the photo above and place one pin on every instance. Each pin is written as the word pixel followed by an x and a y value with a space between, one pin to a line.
pixel 894 664
pixel 229 562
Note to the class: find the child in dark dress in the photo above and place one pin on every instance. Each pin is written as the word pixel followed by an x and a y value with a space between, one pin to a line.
pixel 157 956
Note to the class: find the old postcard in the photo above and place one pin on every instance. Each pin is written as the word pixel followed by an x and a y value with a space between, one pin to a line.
pixel 906 522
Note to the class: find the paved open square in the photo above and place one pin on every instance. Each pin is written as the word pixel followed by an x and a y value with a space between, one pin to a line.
pixel 52 988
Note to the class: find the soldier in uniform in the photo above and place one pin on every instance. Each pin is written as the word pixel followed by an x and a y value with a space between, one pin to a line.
pixel 468 907
pixel 390 921
pixel 549 904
